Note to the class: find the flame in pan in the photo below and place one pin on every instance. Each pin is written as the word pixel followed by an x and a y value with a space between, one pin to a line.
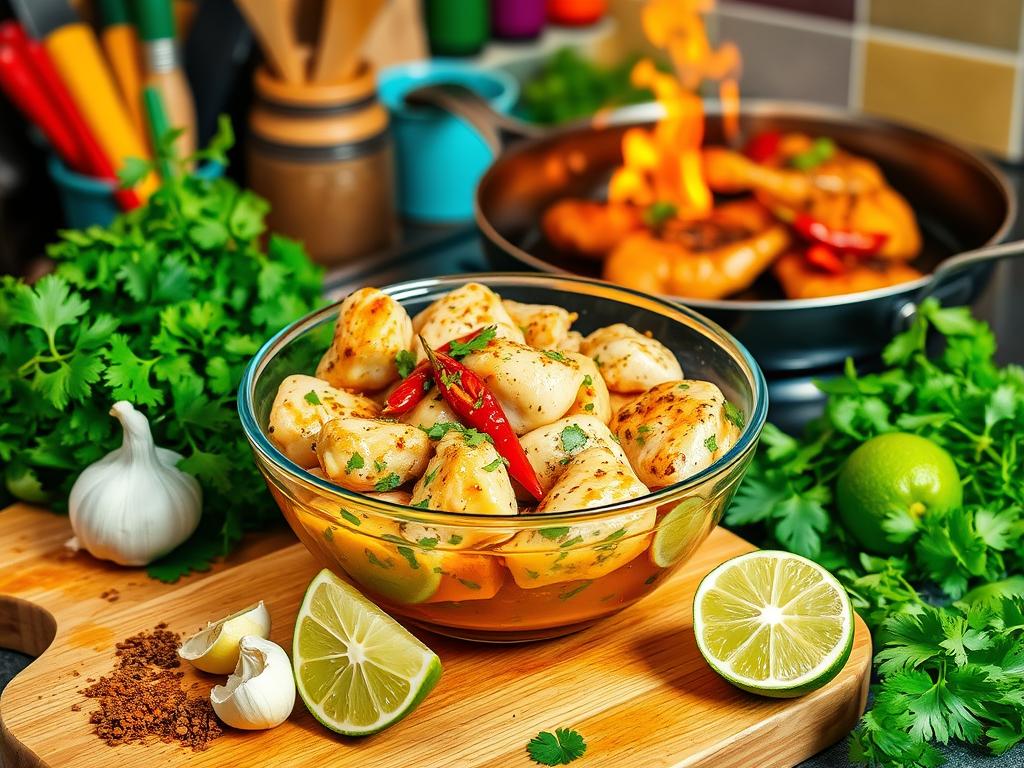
pixel 663 164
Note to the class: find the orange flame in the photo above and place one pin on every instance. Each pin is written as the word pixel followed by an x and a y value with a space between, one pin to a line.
pixel 663 164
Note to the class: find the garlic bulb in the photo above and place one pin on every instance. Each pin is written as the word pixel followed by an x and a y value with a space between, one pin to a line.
pixel 134 504
pixel 261 691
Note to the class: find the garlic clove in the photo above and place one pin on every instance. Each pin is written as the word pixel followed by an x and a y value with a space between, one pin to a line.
pixel 260 693
pixel 216 648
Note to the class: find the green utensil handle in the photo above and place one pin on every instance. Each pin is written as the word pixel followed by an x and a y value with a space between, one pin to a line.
pixel 457 27
pixel 156 114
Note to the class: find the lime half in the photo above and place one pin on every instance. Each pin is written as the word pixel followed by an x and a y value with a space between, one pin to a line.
pixel 357 670
pixel 773 623
pixel 678 531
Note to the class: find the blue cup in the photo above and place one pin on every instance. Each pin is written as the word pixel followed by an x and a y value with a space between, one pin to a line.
pixel 89 201
pixel 440 157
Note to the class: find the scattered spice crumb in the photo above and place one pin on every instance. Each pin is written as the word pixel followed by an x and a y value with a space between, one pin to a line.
pixel 143 698
pixel 110 595
pixel 75 673
pixel 76 707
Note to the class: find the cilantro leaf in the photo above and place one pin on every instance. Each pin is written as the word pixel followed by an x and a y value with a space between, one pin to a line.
pixel 405 361
pixel 387 483
pixel 554 355
pixel 459 349
pixel 355 461
pixel 558 748
pixel 573 438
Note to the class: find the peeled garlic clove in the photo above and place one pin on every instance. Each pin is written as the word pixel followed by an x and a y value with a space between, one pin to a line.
pixel 215 649
pixel 261 692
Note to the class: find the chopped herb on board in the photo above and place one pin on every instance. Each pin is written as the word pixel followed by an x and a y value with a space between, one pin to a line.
pixel 558 748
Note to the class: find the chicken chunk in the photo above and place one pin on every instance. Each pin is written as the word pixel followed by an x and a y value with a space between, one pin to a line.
pixel 464 310
pixel 544 326
pixel 432 409
pixel 593 478
pixel 372 454
pixel 593 399
pixel 550 448
pixel 589 228
pixel 465 475
pixel 534 387
pixel 629 360
pixel 675 430
pixel 571 342
pixel 802 280
pixel 302 406
pixel 371 329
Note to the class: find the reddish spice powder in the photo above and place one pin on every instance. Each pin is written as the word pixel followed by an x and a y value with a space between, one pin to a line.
pixel 143 698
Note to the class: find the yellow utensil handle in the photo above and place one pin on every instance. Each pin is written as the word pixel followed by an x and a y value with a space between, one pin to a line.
pixel 122 48
pixel 76 54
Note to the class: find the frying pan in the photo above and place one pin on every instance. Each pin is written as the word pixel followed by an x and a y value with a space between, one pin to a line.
pixel 962 202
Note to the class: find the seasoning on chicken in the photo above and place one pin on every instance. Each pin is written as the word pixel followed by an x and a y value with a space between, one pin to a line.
pixel 675 430
pixel 551 447
pixel 462 311
pixel 371 454
pixel 544 326
pixel 628 360
pixel 593 398
pixel 372 328
pixel 303 404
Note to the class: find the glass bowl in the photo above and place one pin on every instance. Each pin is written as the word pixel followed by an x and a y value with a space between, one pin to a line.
pixel 508 579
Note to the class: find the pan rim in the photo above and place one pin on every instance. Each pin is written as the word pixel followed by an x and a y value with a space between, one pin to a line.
pixel 644 113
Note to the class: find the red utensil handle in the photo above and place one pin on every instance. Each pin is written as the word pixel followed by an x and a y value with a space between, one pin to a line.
pixel 21 86
pixel 96 163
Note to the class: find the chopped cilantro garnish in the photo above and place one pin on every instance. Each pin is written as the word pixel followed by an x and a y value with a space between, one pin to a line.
pixel 711 444
pixel 588 381
pixel 312 398
pixel 405 361
pixel 480 341
pixel 469 584
pixel 735 415
pixel 573 438
pixel 493 465
pixel 387 483
pixel 428 542
pixel 355 462
pixel 472 437
pixel 410 557
pixel 588 407
pixel 572 542
pixel 329 533
pixel 429 477
pixel 641 431
pixel 422 503
pixel 683 386
pixel 554 533
pixel 554 355
pixel 574 591
pixel 455 539
pixel 379 465
pixel 346 515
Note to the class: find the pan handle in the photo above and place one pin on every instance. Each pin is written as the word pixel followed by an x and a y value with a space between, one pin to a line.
pixel 497 130
pixel 950 269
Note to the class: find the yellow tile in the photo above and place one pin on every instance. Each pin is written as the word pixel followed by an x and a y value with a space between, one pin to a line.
pixel 967 99
pixel 985 22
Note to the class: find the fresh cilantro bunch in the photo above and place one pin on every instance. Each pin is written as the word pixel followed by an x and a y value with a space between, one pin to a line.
pixel 164 309
pixel 949 670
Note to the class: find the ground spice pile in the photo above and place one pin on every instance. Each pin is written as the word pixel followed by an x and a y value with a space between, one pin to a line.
pixel 143 698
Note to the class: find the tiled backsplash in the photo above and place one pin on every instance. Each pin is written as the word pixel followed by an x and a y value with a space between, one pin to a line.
pixel 951 66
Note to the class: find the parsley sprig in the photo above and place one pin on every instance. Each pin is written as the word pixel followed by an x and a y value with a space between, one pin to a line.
pixel 948 615
pixel 163 308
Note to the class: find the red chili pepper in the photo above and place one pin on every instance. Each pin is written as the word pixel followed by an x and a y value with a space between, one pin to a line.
pixel 411 390
pixel 764 146
pixel 473 402
pixel 825 259
pixel 845 241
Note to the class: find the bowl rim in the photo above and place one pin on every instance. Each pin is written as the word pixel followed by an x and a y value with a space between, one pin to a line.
pixel 269 452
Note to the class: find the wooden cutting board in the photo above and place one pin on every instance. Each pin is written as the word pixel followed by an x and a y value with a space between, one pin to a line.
pixel 633 685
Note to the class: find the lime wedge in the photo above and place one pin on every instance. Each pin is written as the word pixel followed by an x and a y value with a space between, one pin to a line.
pixel 357 670
pixel 678 532
pixel 773 623
pixel 216 648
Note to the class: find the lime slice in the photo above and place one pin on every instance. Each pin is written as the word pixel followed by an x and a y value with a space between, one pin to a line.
pixel 773 623
pixel 357 670
pixel 678 531
pixel 215 649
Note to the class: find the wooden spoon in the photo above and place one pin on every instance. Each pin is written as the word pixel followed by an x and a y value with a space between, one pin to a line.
pixel 271 22
pixel 345 24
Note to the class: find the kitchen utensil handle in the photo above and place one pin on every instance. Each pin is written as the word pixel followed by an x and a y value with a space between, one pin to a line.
pixel 949 269
pixel 496 129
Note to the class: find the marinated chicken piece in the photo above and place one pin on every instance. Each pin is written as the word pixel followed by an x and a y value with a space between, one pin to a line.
pixel 845 192
pixel 550 448
pixel 628 360
pixel 432 409
pixel 395 497
pixel 618 402
pixel 544 326
pixel 371 454
pixel 675 430
pixel 371 329
pixel 593 478
pixel 802 280
pixel 464 310
pixel 704 259
pixel 465 475
pixel 534 387
pixel 593 398
pixel 571 342
pixel 589 228
pixel 302 406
